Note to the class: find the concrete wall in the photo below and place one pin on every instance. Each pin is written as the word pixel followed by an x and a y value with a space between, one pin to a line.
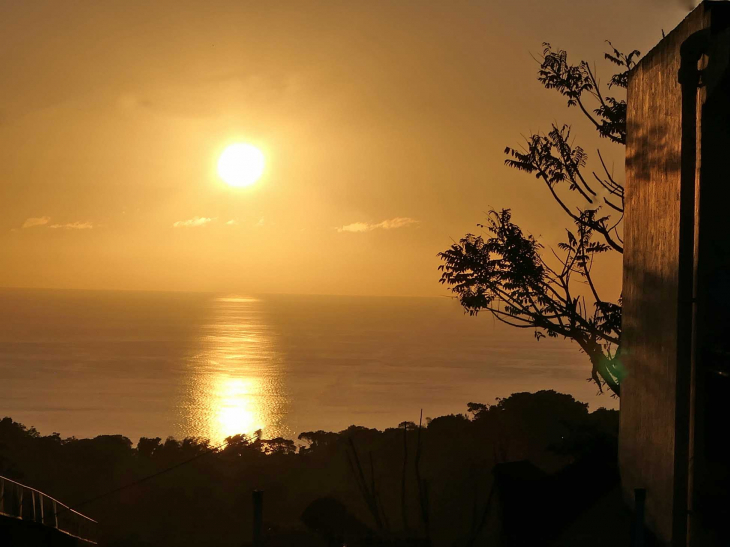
pixel 650 450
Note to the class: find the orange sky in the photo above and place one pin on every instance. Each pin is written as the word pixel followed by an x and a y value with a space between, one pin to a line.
pixel 387 116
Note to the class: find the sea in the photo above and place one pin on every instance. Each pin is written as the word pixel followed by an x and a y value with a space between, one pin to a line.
pixel 159 364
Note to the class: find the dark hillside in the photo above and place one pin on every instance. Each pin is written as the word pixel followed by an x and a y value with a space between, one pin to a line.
pixel 359 485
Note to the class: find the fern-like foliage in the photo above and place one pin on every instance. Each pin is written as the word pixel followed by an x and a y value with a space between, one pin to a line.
pixel 506 273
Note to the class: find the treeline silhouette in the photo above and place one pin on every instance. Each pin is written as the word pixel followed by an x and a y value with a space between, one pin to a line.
pixel 515 472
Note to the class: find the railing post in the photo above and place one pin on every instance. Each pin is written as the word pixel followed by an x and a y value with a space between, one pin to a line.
pixel 258 515
pixel 639 502
pixel 12 503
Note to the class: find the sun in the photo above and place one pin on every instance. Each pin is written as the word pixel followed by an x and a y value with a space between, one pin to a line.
pixel 241 165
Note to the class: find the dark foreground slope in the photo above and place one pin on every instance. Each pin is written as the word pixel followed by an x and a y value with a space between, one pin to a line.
pixel 465 479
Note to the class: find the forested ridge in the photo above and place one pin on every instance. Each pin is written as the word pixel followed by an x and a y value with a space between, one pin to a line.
pixel 435 482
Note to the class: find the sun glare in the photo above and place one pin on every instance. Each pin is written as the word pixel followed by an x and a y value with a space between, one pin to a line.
pixel 241 165
pixel 238 411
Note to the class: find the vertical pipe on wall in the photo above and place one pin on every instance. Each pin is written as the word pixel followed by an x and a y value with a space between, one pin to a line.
pixel 691 51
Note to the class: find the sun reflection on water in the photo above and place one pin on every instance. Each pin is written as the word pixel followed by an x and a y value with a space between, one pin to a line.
pixel 237 410
pixel 235 384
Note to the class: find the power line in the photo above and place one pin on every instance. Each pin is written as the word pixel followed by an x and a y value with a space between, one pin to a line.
pixel 144 479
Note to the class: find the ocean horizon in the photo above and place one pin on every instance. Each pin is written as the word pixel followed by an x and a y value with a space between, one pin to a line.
pixel 157 364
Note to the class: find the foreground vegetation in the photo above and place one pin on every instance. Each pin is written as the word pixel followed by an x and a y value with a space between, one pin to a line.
pixel 508 273
pixel 446 483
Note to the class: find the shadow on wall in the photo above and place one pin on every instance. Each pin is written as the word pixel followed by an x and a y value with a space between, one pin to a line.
pixel 650 150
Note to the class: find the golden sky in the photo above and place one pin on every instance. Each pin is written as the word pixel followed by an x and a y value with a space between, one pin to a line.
pixel 383 123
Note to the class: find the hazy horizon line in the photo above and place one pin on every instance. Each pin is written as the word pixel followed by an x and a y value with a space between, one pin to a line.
pixel 221 292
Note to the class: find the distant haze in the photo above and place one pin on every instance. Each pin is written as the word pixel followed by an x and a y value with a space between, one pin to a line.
pixel 383 124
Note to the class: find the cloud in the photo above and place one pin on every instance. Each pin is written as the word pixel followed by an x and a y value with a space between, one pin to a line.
pixel 232 222
pixel 398 222
pixel 193 222
pixel 35 221
pixel 393 223
pixel 73 226
pixel 43 221
pixel 357 227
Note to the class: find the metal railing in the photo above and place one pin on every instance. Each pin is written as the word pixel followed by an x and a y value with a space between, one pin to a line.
pixel 28 504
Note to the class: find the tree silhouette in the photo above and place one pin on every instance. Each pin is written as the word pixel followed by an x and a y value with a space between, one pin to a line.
pixel 508 272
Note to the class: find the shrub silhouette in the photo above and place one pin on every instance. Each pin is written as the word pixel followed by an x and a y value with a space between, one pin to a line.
pixel 207 498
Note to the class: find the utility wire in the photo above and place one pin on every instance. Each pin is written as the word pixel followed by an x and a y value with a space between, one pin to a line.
pixel 144 479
